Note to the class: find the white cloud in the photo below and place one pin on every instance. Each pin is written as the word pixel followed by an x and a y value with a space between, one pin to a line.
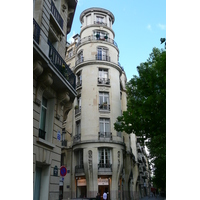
pixel 161 26
pixel 149 27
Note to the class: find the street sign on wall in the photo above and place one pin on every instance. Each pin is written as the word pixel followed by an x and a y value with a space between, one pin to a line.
pixel 63 170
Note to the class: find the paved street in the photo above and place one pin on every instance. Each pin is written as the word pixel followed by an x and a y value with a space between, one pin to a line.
pixel 153 198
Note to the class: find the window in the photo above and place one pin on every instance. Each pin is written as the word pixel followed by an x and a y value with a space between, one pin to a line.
pixel 80 57
pixel 104 158
pixel 104 126
pixel 78 107
pixel 102 54
pixel 46 119
pixel 41 182
pixel 103 77
pixel 99 19
pixel 70 53
pixel 43 114
pixel 79 79
pixel 100 35
pixel 77 137
pixel 78 127
pixel 80 157
pixel 104 100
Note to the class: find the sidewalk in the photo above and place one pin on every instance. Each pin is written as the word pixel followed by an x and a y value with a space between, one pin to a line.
pixel 153 198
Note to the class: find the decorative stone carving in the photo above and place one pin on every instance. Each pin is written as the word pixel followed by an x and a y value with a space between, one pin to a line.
pixel 44 81
pixel 118 157
pixel 90 160
pixel 37 68
pixel 63 99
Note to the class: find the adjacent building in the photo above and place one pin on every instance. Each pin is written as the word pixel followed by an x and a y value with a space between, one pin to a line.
pixel 54 90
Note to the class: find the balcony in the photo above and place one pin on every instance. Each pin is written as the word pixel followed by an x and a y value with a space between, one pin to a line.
pixel 100 23
pixel 102 57
pixel 139 147
pixel 42 134
pixel 143 158
pixel 144 167
pixel 77 110
pixel 98 58
pixel 60 64
pixel 36 31
pixel 79 169
pixel 103 81
pixel 139 158
pixel 80 60
pixel 104 167
pixel 77 138
pixel 140 169
pixel 56 15
pixel 64 143
pixel 104 107
pixel 105 136
pixel 78 84
pixel 94 38
pixel 144 175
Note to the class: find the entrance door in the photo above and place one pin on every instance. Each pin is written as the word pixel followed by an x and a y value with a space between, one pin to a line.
pixel 103 188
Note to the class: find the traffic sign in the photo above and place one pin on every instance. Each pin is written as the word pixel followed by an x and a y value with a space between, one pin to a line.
pixel 63 171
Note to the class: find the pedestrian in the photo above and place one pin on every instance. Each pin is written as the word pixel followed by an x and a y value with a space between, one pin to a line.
pixel 98 197
pixel 104 196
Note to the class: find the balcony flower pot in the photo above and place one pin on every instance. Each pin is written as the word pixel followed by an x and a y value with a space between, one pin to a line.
pixel 97 36
pixel 76 107
pixel 106 37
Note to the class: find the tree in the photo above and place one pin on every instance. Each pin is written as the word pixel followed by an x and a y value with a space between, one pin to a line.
pixel 146 111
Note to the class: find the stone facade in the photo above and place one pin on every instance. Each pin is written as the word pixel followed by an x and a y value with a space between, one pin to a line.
pixel 53 92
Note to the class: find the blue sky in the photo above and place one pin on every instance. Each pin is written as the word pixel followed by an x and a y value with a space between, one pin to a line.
pixel 138 27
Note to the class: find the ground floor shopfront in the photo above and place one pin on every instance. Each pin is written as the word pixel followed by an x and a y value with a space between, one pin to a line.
pixel 103 184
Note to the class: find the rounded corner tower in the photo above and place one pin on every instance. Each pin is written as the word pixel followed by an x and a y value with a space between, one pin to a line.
pixel 97 148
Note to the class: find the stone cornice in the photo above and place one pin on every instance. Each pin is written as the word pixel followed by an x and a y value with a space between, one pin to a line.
pixel 96 62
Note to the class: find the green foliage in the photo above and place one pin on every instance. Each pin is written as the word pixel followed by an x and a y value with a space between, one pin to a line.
pixel 146 110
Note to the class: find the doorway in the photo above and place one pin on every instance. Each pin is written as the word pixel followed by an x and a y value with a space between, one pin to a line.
pixel 102 189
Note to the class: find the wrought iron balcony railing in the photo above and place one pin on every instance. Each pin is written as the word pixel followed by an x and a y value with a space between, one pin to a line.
pixel 140 169
pixel 64 143
pixel 42 134
pixel 139 147
pixel 104 106
pixel 56 14
pixel 139 158
pixel 100 23
pixel 104 135
pixel 78 84
pixel 103 81
pixel 105 166
pixel 60 64
pixel 77 138
pixel 77 110
pixel 95 38
pixel 102 57
pixel 36 31
pixel 80 60
pixel 79 169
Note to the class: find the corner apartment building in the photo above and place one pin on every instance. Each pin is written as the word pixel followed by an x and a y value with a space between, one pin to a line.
pixel 97 157
pixel 54 90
